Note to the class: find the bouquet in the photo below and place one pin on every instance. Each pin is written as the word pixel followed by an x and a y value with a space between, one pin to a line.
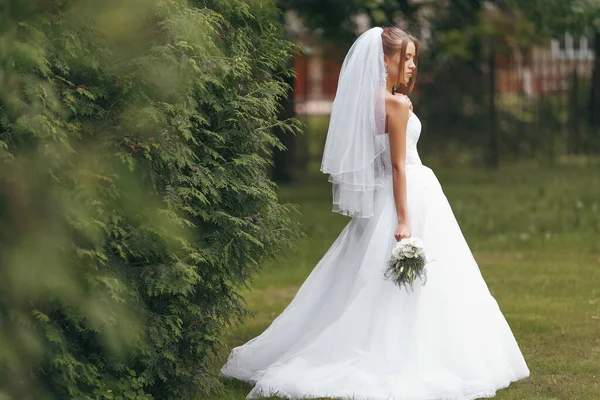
pixel 407 263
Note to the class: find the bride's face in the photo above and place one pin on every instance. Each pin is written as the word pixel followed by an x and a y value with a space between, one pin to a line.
pixel 409 67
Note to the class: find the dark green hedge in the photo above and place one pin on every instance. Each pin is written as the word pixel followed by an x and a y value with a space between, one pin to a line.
pixel 134 195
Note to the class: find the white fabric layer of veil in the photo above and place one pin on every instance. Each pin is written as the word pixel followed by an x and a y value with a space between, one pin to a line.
pixel 355 138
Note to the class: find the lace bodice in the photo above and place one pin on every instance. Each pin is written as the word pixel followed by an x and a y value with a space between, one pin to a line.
pixel 413 132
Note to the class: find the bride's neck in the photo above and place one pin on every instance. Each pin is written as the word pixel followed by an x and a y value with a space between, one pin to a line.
pixel 389 86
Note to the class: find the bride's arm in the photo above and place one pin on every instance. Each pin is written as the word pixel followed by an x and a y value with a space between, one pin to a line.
pixel 397 113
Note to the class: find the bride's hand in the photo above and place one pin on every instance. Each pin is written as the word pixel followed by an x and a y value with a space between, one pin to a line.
pixel 402 231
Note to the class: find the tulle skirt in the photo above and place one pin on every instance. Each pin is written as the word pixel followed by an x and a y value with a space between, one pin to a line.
pixel 349 333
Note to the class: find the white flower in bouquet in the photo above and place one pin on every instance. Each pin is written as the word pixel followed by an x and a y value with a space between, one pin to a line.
pixel 409 251
pixel 417 245
pixel 407 262
pixel 403 242
pixel 397 251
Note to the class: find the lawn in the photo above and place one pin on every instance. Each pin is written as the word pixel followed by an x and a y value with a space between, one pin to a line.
pixel 535 234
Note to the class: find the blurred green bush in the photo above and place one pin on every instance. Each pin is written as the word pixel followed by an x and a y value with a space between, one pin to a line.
pixel 133 189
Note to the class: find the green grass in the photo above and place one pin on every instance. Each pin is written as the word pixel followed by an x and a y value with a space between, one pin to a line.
pixel 535 234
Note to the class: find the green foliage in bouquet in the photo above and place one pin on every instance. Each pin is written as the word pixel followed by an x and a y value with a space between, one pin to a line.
pixel 407 264
pixel 135 138
pixel 404 273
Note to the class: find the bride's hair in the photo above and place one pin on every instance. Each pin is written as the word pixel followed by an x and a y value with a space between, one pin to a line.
pixel 393 40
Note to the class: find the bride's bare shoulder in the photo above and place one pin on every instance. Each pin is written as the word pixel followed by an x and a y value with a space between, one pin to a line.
pixel 395 103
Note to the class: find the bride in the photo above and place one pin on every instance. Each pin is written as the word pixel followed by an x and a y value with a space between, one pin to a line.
pixel 349 333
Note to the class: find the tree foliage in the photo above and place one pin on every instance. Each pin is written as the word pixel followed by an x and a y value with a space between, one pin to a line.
pixel 334 19
pixel 554 17
pixel 133 189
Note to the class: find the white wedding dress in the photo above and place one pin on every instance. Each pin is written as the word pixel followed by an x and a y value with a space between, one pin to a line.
pixel 349 333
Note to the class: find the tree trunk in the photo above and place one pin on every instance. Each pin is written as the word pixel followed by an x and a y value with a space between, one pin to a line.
pixel 493 159
pixel 595 94
pixel 576 143
pixel 285 165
